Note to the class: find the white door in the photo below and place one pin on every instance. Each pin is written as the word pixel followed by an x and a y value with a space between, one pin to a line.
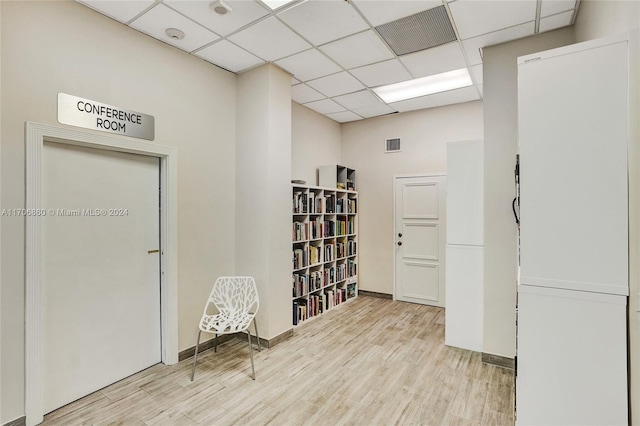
pixel 420 239
pixel 100 270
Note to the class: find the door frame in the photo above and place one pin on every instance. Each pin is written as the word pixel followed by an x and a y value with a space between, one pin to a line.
pixel 35 136
pixel 393 206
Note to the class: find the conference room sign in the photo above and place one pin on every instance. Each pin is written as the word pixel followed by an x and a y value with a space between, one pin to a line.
pixel 88 114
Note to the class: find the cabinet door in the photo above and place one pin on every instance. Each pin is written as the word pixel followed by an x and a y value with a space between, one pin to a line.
pixel 573 168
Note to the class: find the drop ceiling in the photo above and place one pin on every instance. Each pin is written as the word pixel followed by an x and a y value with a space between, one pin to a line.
pixel 338 50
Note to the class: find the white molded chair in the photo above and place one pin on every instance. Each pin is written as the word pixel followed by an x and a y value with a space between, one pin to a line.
pixel 236 300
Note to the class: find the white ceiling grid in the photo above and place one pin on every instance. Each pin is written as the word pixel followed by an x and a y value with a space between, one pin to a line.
pixel 332 48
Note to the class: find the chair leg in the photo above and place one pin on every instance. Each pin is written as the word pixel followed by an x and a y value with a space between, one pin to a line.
pixel 253 370
pixel 195 356
pixel 215 348
pixel 255 324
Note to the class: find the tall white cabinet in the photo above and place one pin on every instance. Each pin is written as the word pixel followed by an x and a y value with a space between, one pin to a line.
pixel 465 245
pixel 573 283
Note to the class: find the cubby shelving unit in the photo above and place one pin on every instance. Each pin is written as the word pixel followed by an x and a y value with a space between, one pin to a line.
pixel 336 176
pixel 324 248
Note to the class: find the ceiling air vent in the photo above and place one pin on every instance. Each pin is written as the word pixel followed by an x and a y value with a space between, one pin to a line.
pixel 417 32
pixel 392 145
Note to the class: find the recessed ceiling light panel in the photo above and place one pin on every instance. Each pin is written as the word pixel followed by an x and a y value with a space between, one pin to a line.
pixel 275 4
pixel 424 86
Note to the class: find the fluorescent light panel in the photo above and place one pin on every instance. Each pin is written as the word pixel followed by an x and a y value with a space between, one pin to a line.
pixel 424 86
pixel 274 4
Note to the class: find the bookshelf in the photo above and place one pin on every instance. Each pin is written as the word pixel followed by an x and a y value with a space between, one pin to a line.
pixel 325 249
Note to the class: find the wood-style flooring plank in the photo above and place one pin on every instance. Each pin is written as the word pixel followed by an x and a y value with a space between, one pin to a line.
pixel 370 361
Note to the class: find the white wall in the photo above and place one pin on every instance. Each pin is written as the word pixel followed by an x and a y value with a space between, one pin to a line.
pixel 62 46
pixel 263 192
pixel 500 141
pixel 599 19
pixel 424 136
pixel 315 141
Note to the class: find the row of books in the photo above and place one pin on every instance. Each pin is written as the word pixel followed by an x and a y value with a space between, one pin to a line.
pixel 317 303
pixel 313 255
pixel 347 205
pixel 306 283
pixel 300 258
pixel 351 247
pixel 352 268
pixel 300 231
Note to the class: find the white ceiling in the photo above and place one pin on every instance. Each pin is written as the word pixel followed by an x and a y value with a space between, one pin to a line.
pixel 331 47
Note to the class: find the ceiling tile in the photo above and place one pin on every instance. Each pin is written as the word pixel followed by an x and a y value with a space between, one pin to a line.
pixel 552 7
pixel 374 110
pixel 243 13
pixel 229 56
pixel 301 93
pixel 344 117
pixel 466 94
pixel 270 39
pixel 472 46
pixel 295 81
pixel 476 72
pixel 413 104
pixel 325 106
pixel 308 65
pixel 336 84
pixel 381 73
pixel 357 100
pixel 310 19
pixel 556 21
pixel 435 60
pixel 122 11
pixel 158 19
pixel 474 18
pixel 357 50
pixel 481 89
pixel 382 11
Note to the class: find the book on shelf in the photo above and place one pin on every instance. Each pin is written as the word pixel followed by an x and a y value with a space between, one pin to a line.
pixel 352 268
pixel 351 290
pixel 351 225
pixel 300 231
pixel 351 248
pixel 315 255
pixel 329 228
pixel 316 280
pixel 317 228
pixel 300 285
pixel 341 272
pixel 300 202
pixel 351 206
pixel 329 252
pixel 330 203
pixel 300 258
pixel 340 203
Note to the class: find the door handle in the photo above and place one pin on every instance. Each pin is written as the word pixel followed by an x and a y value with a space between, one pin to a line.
pixel 399 243
pixel 153 251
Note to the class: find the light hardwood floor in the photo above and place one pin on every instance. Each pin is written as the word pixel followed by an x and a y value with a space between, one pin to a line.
pixel 371 361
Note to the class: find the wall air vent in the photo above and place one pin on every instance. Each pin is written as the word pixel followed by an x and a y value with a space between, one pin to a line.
pixel 392 145
pixel 417 32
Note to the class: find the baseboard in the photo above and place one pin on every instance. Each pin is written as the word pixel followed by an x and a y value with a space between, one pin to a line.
pixel 189 352
pixel 22 421
pixel 265 343
pixel 375 294
pixel 499 361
